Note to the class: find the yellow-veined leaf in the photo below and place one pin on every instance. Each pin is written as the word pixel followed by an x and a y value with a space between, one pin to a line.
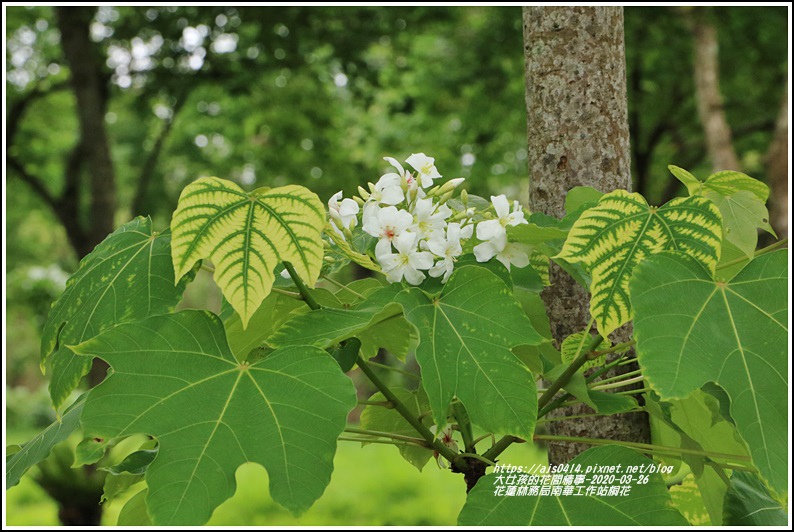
pixel 245 235
pixel 611 238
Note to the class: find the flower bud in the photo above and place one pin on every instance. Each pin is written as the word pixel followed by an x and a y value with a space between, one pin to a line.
pixel 363 193
pixel 464 197
pixel 451 184
pixel 360 201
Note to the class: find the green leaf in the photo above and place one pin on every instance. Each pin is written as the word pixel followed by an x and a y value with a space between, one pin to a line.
pixel 389 420
pixel 134 512
pixel 175 379
pixel 646 505
pixel 39 447
pixel 394 334
pixel 579 197
pixel 346 353
pixel 749 503
pixel 612 238
pixel 135 464
pixel 610 403
pixel 274 311
pixel 246 235
pixel 89 451
pixel 692 183
pixel 358 290
pixel 698 417
pixel 328 326
pixel 465 339
pixel 691 330
pixel 116 485
pixel 127 277
pixel 742 214
pixel 575 344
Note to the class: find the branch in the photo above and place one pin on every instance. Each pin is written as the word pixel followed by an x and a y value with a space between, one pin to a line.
pixel 16 113
pixel 148 168
pixel 34 182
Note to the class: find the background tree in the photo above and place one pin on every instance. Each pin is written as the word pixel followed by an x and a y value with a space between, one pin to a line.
pixel 577 135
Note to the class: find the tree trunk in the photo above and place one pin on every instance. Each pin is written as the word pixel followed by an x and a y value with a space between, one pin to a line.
pixel 777 171
pixel 90 89
pixel 719 141
pixel 578 134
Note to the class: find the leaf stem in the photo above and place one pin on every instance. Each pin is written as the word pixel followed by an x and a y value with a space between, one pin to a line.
pixel 342 286
pixel 613 349
pixel 293 295
pixel 397 443
pixel 207 268
pixel 771 247
pixel 366 432
pixel 304 291
pixel 619 377
pixel 500 446
pixel 618 384
pixel 633 392
pixel 582 357
pixel 464 427
pixel 428 436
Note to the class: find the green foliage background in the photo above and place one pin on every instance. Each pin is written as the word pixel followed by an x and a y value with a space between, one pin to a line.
pixel 316 96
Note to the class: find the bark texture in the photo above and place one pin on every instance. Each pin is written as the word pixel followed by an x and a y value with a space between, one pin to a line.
pixel 777 171
pixel 719 140
pixel 578 135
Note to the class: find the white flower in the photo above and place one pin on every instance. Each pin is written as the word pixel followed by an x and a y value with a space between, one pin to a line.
pixel 466 231
pixel 425 166
pixel 429 218
pixel 410 180
pixel 385 223
pixel 489 229
pixel 406 262
pixel 387 190
pixel 345 212
pixel 447 439
pixel 505 252
pixel 447 248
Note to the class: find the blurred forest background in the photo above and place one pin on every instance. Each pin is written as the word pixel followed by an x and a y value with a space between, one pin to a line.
pixel 317 96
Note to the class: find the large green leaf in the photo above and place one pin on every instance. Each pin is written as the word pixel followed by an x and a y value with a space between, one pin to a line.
pixel 742 214
pixel 328 326
pixel 647 504
pixel 175 378
pixel 380 419
pixel 749 503
pixel 613 237
pixel 691 330
pixel 246 235
pixel 127 277
pixel 465 339
pixel 39 447
pixel 134 512
pixel 274 311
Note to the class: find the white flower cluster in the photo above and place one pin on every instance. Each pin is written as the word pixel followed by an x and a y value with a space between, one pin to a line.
pixel 417 231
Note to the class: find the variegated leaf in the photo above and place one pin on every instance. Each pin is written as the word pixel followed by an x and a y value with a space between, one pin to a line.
pixel 245 235
pixel 611 238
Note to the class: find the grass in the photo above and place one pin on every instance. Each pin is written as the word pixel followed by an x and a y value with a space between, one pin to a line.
pixel 372 486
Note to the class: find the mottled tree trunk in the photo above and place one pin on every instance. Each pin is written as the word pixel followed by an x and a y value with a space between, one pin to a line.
pixel 90 90
pixel 578 134
pixel 719 140
pixel 777 171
